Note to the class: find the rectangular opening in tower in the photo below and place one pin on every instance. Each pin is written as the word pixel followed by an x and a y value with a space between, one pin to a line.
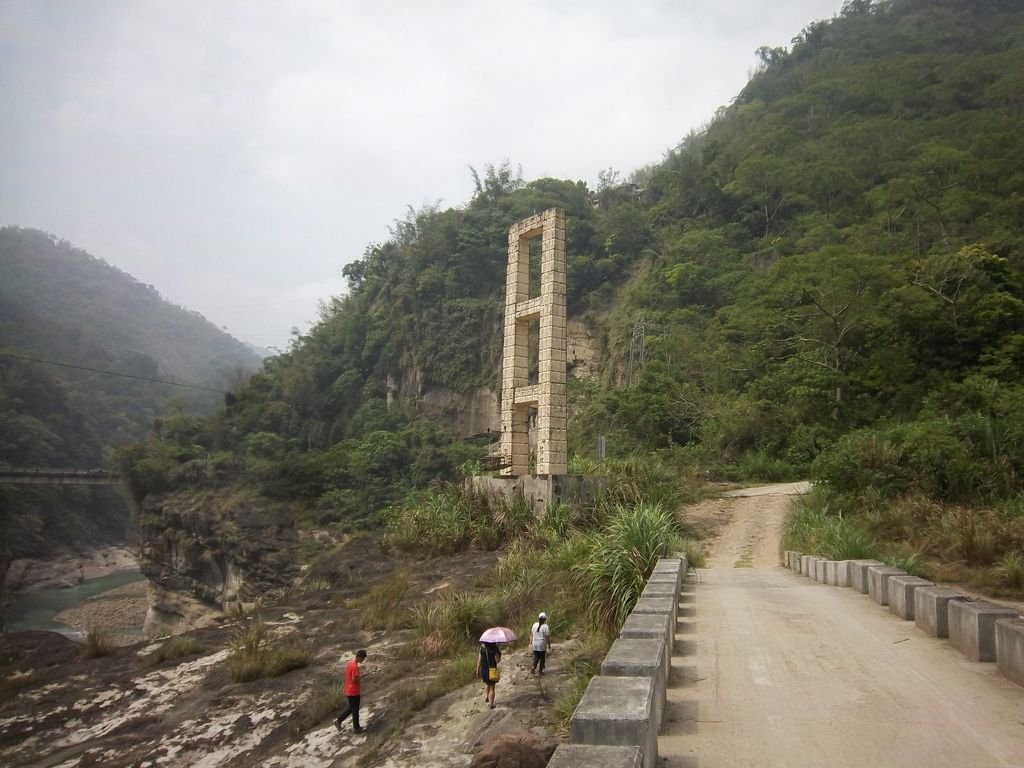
pixel 535 253
pixel 533 351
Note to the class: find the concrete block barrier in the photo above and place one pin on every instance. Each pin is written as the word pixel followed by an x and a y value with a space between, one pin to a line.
pixel 878 582
pixel 633 657
pixel 931 609
pixel 842 574
pixel 859 574
pixel 663 605
pixel 595 756
pixel 972 627
pixel 665 590
pixel 901 594
pixel 794 562
pixel 830 572
pixel 673 566
pixel 820 570
pixel 1010 649
pixel 616 712
pixel 805 564
pixel 651 626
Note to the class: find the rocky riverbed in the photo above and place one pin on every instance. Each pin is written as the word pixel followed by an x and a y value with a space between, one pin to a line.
pixel 137 707
pixel 69 569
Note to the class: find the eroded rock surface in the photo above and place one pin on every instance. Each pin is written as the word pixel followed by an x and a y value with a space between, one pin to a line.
pixel 57 709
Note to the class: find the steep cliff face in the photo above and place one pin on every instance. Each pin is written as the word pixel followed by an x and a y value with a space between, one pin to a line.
pixel 479 410
pixel 202 552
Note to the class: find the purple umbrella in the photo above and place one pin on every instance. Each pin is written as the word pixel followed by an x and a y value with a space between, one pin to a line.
pixel 498 635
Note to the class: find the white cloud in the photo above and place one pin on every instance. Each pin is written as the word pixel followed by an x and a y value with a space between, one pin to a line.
pixel 236 154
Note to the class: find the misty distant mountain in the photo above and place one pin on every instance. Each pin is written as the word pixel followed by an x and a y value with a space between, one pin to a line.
pixel 89 355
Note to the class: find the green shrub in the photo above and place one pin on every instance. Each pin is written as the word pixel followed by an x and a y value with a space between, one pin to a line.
pixel 254 656
pixel 942 460
pixel 451 519
pixel 620 559
pixel 904 557
pixel 765 467
pixel 1009 570
pixel 452 621
pixel 810 528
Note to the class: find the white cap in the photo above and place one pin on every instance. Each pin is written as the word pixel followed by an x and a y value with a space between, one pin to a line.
pixel 542 615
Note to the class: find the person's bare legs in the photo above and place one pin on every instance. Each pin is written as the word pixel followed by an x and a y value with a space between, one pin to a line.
pixel 489 696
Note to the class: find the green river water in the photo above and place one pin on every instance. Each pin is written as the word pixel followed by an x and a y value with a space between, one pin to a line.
pixel 36 609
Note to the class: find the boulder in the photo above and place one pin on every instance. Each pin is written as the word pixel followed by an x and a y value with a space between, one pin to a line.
pixel 515 750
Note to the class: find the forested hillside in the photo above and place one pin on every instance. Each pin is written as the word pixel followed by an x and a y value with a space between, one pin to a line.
pixel 68 323
pixel 839 250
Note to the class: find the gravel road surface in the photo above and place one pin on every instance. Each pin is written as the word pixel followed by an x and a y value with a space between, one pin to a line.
pixel 772 669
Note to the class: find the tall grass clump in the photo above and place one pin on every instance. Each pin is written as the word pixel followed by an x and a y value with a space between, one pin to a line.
pixel 1009 571
pixel 380 605
pixel 254 655
pixel 450 622
pixel 619 560
pixel 811 528
pixel 174 648
pixel 450 519
pixel 520 593
pixel 641 480
pixel 97 643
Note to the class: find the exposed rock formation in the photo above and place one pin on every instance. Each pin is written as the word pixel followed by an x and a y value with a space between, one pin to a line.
pixel 515 750
pixel 203 552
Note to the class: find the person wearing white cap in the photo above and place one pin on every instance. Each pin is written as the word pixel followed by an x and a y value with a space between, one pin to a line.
pixel 540 635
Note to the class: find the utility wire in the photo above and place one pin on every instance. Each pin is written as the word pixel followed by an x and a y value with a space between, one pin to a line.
pixel 111 373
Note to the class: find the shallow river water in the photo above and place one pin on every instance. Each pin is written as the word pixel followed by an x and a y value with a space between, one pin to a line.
pixel 36 609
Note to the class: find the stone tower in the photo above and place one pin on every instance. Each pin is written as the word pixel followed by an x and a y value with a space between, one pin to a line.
pixel 548 394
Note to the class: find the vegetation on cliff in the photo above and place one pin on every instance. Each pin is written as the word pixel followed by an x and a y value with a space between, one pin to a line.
pixel 838 253
pixel 83 349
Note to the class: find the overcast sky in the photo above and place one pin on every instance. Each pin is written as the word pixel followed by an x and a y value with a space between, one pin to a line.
pixel 236 154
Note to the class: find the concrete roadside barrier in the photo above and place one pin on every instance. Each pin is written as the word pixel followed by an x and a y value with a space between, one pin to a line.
pixel 639 657
pixel 671 566
pixel 820 570
pixel 931 609
pixel 595 756
pixel 878 582
pixel 663 605
pixel 972 627
pixel 805 564
pixel 1010 649
pixel 859 574
pixel 651 626
pixel 901 594
pixel 616 711
pixel 841 574
pixel 664 590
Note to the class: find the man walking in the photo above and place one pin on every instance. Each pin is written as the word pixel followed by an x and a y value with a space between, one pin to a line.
pixel 353 691
pixel 540 634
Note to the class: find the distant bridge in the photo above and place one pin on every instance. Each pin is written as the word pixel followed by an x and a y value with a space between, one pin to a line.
pixel 54 476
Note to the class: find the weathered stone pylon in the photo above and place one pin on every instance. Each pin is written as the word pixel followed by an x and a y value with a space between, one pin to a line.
pixel 549 393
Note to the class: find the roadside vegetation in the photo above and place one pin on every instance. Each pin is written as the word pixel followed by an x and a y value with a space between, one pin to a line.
pixel 586 565
pixel 941 497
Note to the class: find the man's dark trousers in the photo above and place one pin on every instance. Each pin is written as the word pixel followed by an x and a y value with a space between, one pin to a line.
pixel 353 709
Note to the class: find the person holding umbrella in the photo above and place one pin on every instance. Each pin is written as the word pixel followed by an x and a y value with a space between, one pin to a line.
pixel 490 657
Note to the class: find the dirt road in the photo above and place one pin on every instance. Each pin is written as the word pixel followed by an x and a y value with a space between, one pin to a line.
pixel 772 669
